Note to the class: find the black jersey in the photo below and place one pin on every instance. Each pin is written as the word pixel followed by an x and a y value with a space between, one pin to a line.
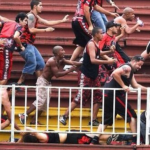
pixel 112 83
pixel 77 138
pixel 53 138
pixel 88 69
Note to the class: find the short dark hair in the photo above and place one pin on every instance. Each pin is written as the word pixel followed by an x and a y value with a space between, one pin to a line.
pixel 56 49
pixel 138 58
pixel 34 2
pixel 28 138
pixel 21 16
pixel 95 30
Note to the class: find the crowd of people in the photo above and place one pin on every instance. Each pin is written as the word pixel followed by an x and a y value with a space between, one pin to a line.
pixel 104 64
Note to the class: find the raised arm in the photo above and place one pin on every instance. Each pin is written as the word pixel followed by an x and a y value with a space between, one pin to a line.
pixel 31 25
pixel 51 23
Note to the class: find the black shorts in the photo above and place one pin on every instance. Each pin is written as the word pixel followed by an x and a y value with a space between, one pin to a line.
pixel 122 56
pixel 119 109
pixel 80 29
pixel 78 138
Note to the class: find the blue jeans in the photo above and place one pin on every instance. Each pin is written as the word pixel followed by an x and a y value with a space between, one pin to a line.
pixel 33 59
pixel 99 20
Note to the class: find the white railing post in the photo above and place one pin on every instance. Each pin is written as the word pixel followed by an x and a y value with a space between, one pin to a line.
pixel 81 104
pixel 70 108
pixel 147 117
pixel 13 113
pixel 0 103
pixel 47 112
pixel 114 108
pixel 91 110
pixel 138 115
pixel 58 128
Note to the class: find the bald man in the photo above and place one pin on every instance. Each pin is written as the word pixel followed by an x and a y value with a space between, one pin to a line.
pixel 51 69
pixel 128 15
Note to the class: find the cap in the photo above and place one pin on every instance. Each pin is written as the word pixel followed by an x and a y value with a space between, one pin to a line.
pixel 112 24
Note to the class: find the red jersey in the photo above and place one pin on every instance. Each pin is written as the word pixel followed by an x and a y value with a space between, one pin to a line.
pixel 105 45
pixel 26 36
pixel 80 6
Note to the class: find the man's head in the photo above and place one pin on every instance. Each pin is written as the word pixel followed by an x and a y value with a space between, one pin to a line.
pixel 97 33
pixel 137 62
pixel 128 14
pixel 22 19
pixel 112 27
pixel 58 51
pixel 36 5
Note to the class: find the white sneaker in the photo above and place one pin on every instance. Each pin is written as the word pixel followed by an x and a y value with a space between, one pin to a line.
pixel 66 67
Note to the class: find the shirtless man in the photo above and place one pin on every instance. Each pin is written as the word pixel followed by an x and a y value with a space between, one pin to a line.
pixel 6 107
pixel 51 69
pixel 128 15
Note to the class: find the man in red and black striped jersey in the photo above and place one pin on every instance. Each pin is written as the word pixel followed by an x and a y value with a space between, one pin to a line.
pixel 82 24
pixel 33 59
pixel 10 33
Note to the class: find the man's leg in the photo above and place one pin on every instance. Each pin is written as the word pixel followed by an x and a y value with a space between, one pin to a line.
pixel 38 73
pixel 30 62
pixel 76 53
pixel 145 55
pixel 133 125
pixel 33 121
pixel 64 118
pixel 22 78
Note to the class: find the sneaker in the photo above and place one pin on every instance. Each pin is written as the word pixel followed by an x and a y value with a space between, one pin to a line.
pixel 148 48
pixel 112 138
pixel 63 120
pixel 66 67
pixel 94 123
pixel 22 118
pixel 95 140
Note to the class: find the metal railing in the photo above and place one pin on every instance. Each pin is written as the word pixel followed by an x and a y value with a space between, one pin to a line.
pixel 70 89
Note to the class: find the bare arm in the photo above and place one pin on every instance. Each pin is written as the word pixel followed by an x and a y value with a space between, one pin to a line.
pixel 17 40
pixel 50 23
pixel 69 62
pixel 136 85
pixel 56 71
pixel 102 10
pixel 31 25
pixel 117 38
pixel 40 136
pixel 88 17
pixel 112 4
pixel 5 19
pixel 123 23
pixel 92 54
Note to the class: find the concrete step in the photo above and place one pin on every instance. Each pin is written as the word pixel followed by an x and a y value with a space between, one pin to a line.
pixel 68 8
pixel 45 146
